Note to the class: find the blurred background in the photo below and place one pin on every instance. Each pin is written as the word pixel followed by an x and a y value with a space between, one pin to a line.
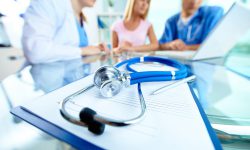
pixel 100 19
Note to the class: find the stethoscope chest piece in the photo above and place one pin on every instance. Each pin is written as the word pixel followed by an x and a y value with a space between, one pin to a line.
pixel 109 81
pixel 110 88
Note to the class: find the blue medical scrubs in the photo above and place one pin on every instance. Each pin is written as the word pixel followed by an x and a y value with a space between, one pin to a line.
pixel 83 43
pixel 82 35
pixel 196 29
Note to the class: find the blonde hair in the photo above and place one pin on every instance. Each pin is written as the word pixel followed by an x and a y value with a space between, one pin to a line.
pixel 129 10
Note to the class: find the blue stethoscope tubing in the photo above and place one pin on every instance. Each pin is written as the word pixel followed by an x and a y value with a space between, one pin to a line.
pixel 154 76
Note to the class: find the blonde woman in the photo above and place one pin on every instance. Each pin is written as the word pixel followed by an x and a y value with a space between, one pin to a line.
pixel 54 31
pixel 131 33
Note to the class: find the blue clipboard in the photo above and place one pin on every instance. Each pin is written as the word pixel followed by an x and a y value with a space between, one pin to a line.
pixel 80 143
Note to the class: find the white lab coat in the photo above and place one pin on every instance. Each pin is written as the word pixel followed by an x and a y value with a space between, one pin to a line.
pixel 50 32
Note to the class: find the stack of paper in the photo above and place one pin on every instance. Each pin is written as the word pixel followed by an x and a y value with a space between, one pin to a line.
pixel 172 121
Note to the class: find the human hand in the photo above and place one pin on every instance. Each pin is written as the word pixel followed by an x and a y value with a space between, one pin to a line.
pixel 121 49
pixel 90 50
pixel 103 47
pixel 125 46
pixel 116 50
pixel 177 45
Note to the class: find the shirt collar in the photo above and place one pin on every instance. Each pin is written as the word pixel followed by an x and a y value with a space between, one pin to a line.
pixel 194 16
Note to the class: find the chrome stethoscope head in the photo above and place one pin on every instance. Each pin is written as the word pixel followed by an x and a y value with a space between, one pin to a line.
pixel 110 80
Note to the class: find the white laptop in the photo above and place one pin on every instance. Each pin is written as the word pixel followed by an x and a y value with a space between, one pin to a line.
pixel 233 26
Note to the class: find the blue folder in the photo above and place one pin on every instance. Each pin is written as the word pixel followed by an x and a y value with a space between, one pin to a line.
pixel 80 143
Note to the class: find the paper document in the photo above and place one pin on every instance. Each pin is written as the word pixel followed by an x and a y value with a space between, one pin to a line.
pixel 188 54
pixel 172 120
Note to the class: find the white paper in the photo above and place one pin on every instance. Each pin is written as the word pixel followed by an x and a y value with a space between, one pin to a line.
pixel 187 54
pixel 172 119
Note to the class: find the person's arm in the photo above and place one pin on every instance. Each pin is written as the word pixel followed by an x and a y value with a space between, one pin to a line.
pixel 94 50
pixel 90 50
pixel 174 45
pixel 114 39
pixel 193 47
pixel 167 46
pixel 178 45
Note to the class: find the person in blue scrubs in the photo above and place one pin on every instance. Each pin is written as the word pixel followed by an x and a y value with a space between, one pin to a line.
pixel 189 28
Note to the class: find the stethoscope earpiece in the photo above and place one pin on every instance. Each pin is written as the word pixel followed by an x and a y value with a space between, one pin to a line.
pixel 87 116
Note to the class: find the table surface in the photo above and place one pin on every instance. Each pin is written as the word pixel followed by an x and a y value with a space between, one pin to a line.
pixel 222 86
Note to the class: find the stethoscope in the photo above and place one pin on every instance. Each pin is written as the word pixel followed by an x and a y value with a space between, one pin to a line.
pixel 110 80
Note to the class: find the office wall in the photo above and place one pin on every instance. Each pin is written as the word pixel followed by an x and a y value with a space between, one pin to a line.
pixel 91 25
pixel 160 10
pixel 101 7
pixel 13 23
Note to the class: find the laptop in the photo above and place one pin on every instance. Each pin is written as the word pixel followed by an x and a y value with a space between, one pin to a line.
pixel 233 26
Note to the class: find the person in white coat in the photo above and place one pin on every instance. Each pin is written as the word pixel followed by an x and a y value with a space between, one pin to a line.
pixel 54 31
